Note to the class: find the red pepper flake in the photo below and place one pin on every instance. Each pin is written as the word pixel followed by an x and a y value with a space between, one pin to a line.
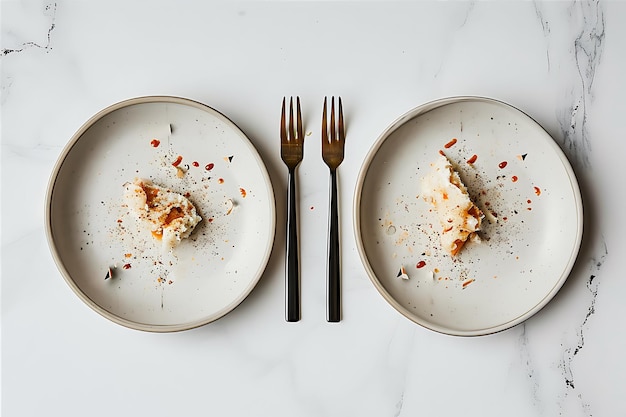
pixel 209 167
pixel 211 219
pixel 155 143
pixel 220 181
pixel 502 164
pixel 468 282
pixel 450 144
pixel 505 218
pixel 312 207
pixel 537 191
pixel 126 266
pixel 128 255
pixel 472 159
pixel 195 163
pixel 420 264
pixel 119 220
pixel 178 160
pixel 514 178
pixel 170 282
pixel 529 201
pixel 187 194
pixel 243 192
pixel 441 153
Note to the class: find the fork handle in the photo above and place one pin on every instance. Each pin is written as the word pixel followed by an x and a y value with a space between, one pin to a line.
pixel 292 277
pixel 334 267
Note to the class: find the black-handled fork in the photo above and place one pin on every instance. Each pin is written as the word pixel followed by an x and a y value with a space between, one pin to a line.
pixel 333 141
pixel 291 152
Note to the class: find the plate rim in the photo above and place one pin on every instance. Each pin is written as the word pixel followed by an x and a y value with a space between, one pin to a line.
pixel 356 211
pixel 67 149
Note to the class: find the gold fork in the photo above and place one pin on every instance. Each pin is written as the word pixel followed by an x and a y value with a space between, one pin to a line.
pixel 291 152
pixel 332 153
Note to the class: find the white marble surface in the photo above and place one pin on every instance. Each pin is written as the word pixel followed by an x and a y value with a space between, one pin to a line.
pixel 561 62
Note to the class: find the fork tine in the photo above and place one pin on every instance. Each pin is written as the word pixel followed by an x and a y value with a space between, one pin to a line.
pixel 300 135
pixel 283 129
pixel 340 128
pixel 291 131
pixel 324 126
pixel 332 120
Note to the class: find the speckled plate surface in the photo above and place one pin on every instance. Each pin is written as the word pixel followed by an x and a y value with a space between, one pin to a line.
pixel 91 231
pixel 522 181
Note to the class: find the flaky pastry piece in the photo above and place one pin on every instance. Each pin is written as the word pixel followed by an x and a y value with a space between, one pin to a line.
pixel 170 216
pixel 459 217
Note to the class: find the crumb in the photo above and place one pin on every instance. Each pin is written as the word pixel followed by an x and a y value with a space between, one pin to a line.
pixel 230 205
pixel 402 273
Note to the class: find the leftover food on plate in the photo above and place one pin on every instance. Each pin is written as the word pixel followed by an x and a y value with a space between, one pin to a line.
pixel 170 216
pixel 459 217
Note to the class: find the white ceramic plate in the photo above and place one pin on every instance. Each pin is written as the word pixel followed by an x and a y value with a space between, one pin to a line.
pixel 90 230
pixel 523 259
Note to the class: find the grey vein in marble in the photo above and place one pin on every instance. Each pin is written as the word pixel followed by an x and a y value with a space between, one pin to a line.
pixel 587 50
pixel 50 10
pixel 571 351
pixel 585 43
pixel 527 362
pixel 587 47
pixel 545 26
